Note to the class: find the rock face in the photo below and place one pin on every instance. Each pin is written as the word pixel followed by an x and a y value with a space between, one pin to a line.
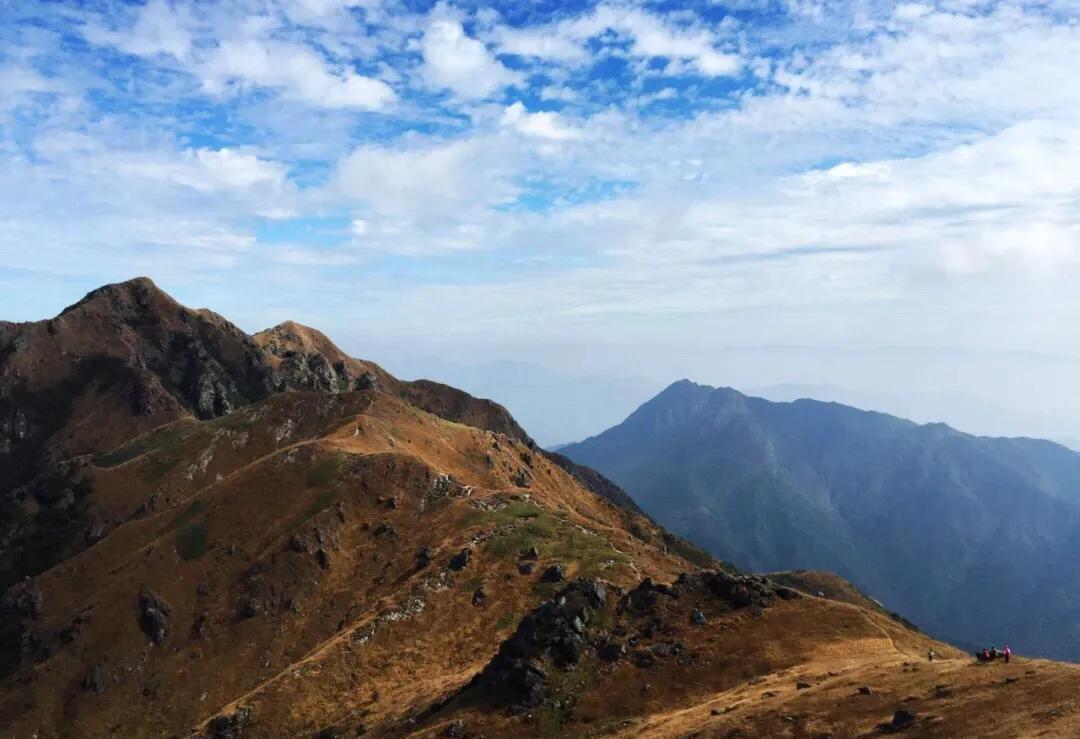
pixel 305 359
pixel 554 573
pixel 125 359
pixel 229 726
pixel 555 632
pixel 154 617
pixel 901 721
pixel 94 681
pixel 460 560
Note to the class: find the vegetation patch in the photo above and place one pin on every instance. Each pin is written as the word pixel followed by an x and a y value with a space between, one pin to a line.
pixel 191 540
pixel 557 540
pixel 167 439
pixel 592 553
pixel 472 583
pixel 566 687
pixel 324 472
pixel 159 465
pixel 507 514
pixel 233 422
pixel 529 534
pixel 506 620
pixel 321 503
pixel 546 590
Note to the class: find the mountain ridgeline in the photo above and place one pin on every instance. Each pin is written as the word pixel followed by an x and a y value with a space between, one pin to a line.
pixel 211 535
pixel 974 539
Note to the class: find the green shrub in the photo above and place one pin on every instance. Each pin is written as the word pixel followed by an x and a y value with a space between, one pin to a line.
pixel 324 472
pixel 191 540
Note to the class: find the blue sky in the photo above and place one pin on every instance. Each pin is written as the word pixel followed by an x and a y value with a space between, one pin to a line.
pixel 613 187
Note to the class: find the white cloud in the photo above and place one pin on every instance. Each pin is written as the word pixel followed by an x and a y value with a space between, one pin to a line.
pixel 653 38
pixel 543 44
pixel 934 66
pixel 17 82
pixel 227 168
pixel 422 195
pixel 911 11
pixel 650 36
pixel 543 125
pixel 705 216
pixel 464 65
pixel 393 178
pixel 314 10
pixel 204 170
pixel 298 71
pixel 160 27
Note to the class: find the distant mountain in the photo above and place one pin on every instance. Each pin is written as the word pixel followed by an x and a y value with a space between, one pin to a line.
pixel 974 539
pixel 965 411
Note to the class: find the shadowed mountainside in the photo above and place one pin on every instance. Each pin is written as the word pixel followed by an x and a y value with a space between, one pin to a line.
pixel 969 537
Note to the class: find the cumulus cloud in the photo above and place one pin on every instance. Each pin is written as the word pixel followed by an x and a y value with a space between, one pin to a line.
pixel 429 195
pixel 462 64
pixel 542 125
pixel 653 38
pixel 649 35
pixel 298 71
pixel 543 44
pixel 159 27
pixel 215 169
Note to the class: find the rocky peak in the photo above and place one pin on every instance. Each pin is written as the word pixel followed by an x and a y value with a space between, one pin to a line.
pixel 306 359
pixel 131 297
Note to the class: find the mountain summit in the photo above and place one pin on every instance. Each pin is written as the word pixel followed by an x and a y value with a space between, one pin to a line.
pixel 206 534
pixel 960 533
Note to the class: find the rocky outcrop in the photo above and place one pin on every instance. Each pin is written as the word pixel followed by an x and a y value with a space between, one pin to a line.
pixel 460 560
pixel 154 616
pixel 555 633
pixel 738 590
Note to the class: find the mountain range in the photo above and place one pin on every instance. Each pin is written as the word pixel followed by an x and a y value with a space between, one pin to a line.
pixel 210 534
pixel 970 537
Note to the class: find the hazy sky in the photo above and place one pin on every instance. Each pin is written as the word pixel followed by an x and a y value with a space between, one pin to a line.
pixel 878 195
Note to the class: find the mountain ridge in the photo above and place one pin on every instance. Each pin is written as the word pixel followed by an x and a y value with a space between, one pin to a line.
pixel 324 551
pixel 821 485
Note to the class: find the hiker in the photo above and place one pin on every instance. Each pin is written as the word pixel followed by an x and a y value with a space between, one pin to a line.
pixel 986 654
pixel 1008 654
pixel 930 655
